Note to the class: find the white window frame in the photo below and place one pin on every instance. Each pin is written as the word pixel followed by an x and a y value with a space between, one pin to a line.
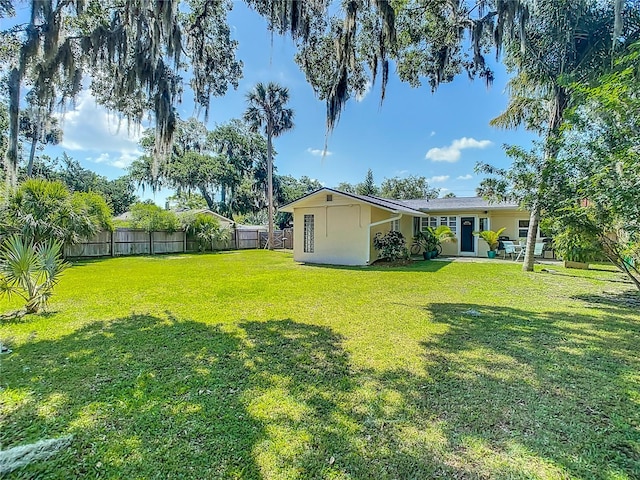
pixel 395 225
pixel 435 222
pixel 525 229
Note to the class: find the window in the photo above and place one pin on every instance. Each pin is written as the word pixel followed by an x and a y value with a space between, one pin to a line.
pixel 523 228
pixel 434 222
pixel 484 224
pixel 329 197
pixel 308 234
pixel 453 224
pixel 395 226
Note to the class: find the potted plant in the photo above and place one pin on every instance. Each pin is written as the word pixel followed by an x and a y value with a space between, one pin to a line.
pixel 493 240
pixel 441 235
pixel 430 241
pixel 422 241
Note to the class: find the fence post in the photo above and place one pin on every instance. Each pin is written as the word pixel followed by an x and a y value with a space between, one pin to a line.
pixel 184 242
pixel 235 236
pixel 113 253
pixel 150 243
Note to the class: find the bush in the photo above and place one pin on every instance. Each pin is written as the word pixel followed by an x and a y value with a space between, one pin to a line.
pixel 41 210
pixel 150 217
pixel 391 246
pixel 30 270
pixel 205 228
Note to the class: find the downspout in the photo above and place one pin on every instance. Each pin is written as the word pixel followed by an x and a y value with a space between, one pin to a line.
pixel 375 224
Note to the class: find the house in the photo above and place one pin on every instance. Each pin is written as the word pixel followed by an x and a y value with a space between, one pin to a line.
pixel 465 215
pixel 224 221
pixel 338 227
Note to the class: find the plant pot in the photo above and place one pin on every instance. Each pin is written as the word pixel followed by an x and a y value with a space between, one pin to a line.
pixel 579 265
pixel 434 253
pixel 426 255
pixel 491 254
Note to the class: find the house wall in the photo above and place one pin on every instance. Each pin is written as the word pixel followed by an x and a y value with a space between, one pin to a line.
pixel 405 225
pixel 497 220
pixel 341 229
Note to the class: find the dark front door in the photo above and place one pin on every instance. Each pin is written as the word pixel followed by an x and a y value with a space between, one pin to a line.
pixel 467 227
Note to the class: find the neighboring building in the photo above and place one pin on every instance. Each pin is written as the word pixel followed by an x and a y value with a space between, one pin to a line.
pixel 337 228
pixel 224 221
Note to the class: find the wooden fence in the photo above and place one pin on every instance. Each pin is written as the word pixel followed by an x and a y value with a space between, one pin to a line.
pixel 127 241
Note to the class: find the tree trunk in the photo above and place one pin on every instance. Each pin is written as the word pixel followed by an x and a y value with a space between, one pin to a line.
pixel 11 155
pixel 32 152
pixel 551 149
pixel 270 184
pixel 532 233
pixel 207 198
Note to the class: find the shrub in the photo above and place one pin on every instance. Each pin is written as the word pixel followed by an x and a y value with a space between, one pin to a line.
pixel 150 217
pixel 42 210
pixel 391 246
pixel 205 228
pixel 30 270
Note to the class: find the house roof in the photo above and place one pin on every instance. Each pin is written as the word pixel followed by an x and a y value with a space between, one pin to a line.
pixel 457 203
pixel 393 206
pixel 205 211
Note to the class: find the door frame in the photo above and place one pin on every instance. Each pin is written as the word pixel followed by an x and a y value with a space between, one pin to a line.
pixel 474 239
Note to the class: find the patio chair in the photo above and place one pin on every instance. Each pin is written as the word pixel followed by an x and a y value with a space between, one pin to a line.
pixel 537 250
pixel 509 248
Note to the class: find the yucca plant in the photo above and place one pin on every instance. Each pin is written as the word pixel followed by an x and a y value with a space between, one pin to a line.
pixel 30 270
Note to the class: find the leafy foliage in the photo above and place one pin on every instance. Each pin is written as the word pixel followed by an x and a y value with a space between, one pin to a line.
pixel 492 238
pixel 391 246
pixel 228 162
pixel 267 112
pixel 118 193
pixel 430 238
pixel 42 210
pixel 407 188
pixel 205 228
pixel 151 218
pixel 30 270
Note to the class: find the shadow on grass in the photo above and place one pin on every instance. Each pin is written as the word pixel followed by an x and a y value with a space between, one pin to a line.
pixel 515 384
pixel 145 397
pixel 505 394
pixel 414 266
pixel 618 300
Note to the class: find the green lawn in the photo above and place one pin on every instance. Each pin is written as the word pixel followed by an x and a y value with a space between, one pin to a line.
pixel 248 365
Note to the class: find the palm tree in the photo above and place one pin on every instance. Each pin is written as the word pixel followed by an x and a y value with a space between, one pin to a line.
pixel 266 111
pixel 564 41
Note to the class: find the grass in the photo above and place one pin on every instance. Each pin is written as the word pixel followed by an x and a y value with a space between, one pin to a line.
pixel 248 365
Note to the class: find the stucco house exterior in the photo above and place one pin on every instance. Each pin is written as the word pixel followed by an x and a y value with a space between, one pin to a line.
pixel 466 215
pixel 334 227
pixel 337 228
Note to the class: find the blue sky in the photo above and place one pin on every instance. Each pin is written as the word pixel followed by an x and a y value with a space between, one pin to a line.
pixel 438 135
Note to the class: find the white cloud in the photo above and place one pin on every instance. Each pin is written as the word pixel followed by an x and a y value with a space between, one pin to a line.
pixel 433 132
pixel 444 190
pixel 90 128
pixel 468 176
pixel 120 161
pixel 452 152
pixel 438 179
pixel 316 152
